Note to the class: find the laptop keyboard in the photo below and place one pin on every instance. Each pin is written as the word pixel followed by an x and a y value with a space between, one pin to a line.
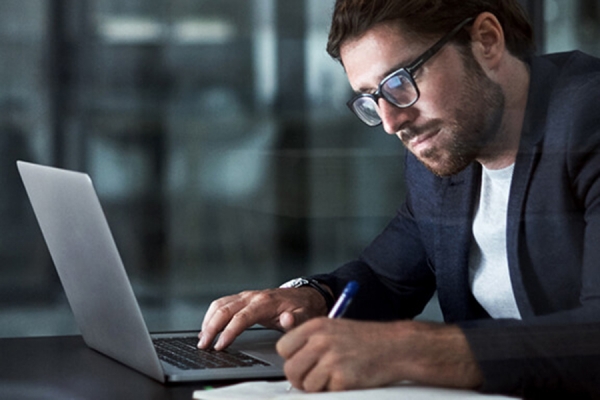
pixel 183 353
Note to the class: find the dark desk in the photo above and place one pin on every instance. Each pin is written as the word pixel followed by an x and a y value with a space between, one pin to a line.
pixel 65 368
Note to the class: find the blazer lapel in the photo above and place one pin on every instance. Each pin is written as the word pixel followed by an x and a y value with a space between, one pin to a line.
pixel 453 244
pixel 529 152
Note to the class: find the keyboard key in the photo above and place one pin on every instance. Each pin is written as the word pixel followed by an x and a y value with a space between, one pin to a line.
pixel 184 354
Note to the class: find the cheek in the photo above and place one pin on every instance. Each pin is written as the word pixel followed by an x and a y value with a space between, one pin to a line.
pixel 436 105
pixel 442 86
pixel 438 98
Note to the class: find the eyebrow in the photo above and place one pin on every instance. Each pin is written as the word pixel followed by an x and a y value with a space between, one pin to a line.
pixel 398 66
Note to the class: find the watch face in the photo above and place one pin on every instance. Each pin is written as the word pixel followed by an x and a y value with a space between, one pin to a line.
pixel 294 283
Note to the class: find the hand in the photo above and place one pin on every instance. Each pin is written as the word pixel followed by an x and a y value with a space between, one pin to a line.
pixel 340 354
pixel 281 309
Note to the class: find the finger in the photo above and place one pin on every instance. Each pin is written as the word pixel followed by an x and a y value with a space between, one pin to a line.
pixel 299 366
pixel 215 306
pixel 238 324
pixel 316 380
pixel 291 319
pixel 299 317
pixel 211 326
pixel 287 321
pixel 220 313
pixel 256 311
pixel 291 343
pixel 297 338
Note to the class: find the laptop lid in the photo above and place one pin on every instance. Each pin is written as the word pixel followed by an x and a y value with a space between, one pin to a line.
pixel 96 284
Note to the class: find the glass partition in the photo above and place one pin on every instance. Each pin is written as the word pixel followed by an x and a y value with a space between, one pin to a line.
pixel 572 25
pixel 216 134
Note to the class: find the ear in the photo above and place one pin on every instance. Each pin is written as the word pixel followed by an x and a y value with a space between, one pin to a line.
pixel 487 40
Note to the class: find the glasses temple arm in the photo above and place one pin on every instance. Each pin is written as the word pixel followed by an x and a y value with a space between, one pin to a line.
pixel 436 47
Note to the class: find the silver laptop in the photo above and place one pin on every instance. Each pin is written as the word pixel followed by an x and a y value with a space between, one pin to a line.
pixel 102 299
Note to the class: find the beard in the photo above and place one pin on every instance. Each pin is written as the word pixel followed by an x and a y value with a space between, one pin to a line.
pixel 476 122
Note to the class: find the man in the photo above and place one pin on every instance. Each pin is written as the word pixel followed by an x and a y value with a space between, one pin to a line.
pixel 502 215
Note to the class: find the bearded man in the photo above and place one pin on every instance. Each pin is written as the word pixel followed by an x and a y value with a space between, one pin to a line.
pixel 501 218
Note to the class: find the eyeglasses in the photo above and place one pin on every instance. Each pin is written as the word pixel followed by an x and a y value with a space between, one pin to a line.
pixel 399 88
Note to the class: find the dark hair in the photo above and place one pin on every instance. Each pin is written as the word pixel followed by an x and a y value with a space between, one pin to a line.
pixel 426 18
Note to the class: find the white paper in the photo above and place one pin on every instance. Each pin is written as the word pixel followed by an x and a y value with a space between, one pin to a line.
pixel 261 390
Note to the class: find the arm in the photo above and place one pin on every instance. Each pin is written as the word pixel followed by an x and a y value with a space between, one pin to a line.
pixel 543 361
pixel 395 284
pixel 372 354
pixel 395 279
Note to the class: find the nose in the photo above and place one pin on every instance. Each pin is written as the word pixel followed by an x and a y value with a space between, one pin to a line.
pixel 394 118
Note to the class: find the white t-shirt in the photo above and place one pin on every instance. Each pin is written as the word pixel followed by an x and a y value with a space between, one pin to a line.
pixel 488 263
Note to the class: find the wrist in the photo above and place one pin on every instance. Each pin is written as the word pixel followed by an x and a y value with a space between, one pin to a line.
pixel 441 354
pixel 320 288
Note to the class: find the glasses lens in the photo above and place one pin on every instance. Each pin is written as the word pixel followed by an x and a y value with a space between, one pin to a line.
pixel 400 90
pixel 366 109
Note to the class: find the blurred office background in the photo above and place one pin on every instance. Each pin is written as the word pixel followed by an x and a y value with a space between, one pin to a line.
pixel 218 139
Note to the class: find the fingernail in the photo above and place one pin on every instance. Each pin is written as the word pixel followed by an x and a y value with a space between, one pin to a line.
pixel 202 342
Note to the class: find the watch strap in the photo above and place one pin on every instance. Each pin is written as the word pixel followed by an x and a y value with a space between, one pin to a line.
pixel 324 292
pixel 300 282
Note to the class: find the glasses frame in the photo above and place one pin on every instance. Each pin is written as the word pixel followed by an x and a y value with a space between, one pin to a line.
pixel 407 72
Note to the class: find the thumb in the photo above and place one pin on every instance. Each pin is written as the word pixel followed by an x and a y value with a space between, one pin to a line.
pixel 287 320
pixel 291 319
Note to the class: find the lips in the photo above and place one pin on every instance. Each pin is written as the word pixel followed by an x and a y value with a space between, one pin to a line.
pixel 422 141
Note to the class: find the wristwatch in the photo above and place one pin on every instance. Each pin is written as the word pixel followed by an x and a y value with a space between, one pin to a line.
pixel 299 282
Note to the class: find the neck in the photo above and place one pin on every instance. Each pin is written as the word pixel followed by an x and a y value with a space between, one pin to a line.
pixel 502 151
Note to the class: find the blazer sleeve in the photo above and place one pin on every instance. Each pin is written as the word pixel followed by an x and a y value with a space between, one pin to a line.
pixel 539 361
pixel 395 279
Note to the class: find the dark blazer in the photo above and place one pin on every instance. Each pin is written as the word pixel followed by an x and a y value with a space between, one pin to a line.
pixel 553 232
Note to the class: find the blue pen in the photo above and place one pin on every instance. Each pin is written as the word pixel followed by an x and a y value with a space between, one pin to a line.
pixel 342 303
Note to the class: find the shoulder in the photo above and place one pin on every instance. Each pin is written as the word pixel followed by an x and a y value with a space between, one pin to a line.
pixel 573 63
pixel 570 85
pixel 571 121
pixel 577 75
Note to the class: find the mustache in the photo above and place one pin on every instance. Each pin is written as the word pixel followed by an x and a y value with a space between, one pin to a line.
pixel 410 132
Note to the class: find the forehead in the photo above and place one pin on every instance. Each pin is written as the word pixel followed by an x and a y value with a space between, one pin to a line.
pixel 369 58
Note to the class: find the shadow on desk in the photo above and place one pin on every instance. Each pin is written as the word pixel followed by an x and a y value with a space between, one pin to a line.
pixel 64 367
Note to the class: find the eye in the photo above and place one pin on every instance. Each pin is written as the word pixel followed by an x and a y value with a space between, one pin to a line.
pixel 395 83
